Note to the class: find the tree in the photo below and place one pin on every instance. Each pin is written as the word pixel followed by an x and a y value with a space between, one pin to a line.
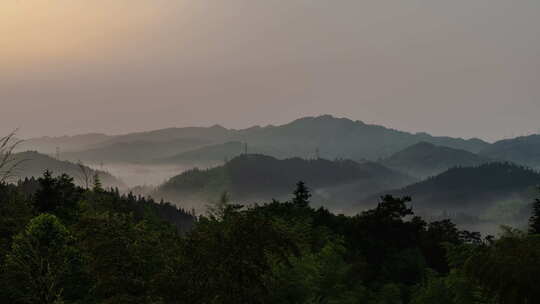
pixel 217 209
pixel 8 162
pixel 301 195
pixel 85 175
pixel 98 186
pixel 534 221
pixel 455 288
pixel 15 212
pixel 57 195
pixel 124 257
pixel 433 242
pixel 507 268
pixel 43 263
pixel 388 242
pixel 228 260
pixel 316 277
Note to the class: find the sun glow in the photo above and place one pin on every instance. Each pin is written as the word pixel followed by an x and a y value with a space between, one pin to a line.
pixel 38 31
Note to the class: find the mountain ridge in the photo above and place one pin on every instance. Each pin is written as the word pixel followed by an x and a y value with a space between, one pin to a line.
pixel 523 150
pixel 426 159
pixel 333 137
pixel 496 192
pixel 34 164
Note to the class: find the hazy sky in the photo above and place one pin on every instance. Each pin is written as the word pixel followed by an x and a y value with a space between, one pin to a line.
pixel 461 67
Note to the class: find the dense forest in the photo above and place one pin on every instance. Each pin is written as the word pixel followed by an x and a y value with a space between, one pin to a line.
pixel 61 243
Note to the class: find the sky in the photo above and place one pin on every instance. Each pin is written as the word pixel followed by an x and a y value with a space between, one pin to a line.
pixel 459 68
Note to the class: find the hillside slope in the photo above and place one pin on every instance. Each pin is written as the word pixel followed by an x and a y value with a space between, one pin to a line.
pixel 34 164
pixel 49 145
pixel 214 154
pixel 497 193
pixel 425 159
pixel 523 150
pixel 251 178
pixel 135 152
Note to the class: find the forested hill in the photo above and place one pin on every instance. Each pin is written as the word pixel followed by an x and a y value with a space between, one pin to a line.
pixel 425 159
pixel 523 150
pixel 258 177
pixel 34 164
pixel 333 137
pixel 473 190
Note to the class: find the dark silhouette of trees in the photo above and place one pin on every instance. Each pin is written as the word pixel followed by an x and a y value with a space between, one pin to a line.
pixel 301 195
pixel 58 196
pixel 61 243
pixel 534 221
pixel 507 268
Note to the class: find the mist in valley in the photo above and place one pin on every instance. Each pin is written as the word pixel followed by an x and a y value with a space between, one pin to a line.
pixel 134 175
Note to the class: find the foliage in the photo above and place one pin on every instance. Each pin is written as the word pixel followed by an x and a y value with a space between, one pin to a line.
pixel 534 221
pixel 65 244
pixel 43 264
pixel 507 269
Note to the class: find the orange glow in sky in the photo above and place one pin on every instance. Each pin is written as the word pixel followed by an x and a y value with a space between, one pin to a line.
pixel 43 30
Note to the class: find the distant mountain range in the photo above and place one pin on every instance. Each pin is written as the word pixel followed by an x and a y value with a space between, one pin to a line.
pixel 332 137
pixel 213 154
pixel 34 164
pixel 425 159
pixel 344 138
pixel 136 151
pixel 347 164
pixel 255 178
pixel 49 145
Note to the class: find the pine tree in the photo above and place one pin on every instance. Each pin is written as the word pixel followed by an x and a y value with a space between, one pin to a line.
pixel 534 221
pixel 301 195
pixel 98 186
pixel 46 198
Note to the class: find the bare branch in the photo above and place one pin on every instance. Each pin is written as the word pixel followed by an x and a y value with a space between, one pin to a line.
pixel 85 174
pixel 8 162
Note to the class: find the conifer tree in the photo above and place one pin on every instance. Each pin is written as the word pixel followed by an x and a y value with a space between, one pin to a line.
pixel 98 186
pixel 534 221
pixel 301 195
